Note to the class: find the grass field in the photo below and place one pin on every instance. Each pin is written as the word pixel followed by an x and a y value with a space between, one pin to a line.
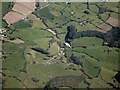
pixel 89 65
pixel 43 4
pixel 13 83
pixel 13 62
pixel 31 33
pixel 53 69
pixel 83 85
pixel 4 24
pixel 5 7
pixel 21 24
pixel 87 41
pixel 43 42
pixel 105 59
pixel 32 17
pixel 42 56
pixel 54 48
pixel 38 24
pixel 45 13
pixel 98 83
pixel 107 74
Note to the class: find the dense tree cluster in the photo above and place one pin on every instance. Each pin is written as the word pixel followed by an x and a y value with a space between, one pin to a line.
pixel 117 76
pixel 112 37
pixel 75 60
pixel 89 33
pixel 71 33
pixel 102 10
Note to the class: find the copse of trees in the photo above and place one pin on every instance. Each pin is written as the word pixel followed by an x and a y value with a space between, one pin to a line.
pixel 112 37
pixel 71 32
pixel 75 60
pixel 89 33
pixel 117 76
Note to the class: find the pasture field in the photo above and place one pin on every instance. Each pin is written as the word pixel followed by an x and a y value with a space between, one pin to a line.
pixel 20 76
pixel 115 15
pixel 87 41
pixel 43 4
pixel 31 33
pixel 5 7
pixel 60 30
pixel 106 74
pixel 83 85
pixel 105 16
pixel 105 57
pixel 32 17
pixel 33 57
pixel 91 67
pixel 94 8
pixel 62 37
pixel 4 24
pixel 54 48
pixel 13 83
pixel 38 24
pixel 45 13
pixel 98 83
pixel 21 24
pixel 43 42
pixel 13 62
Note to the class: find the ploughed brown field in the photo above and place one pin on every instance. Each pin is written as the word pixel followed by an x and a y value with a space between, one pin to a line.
pixel 114 22
pixel 12 17
pixel 105 26
pixel 21 9
pixel 29 5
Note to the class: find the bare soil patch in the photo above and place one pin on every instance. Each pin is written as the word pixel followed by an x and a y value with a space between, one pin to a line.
pixel 29 5
pixel 12 17
pixel 53 32
pixel 105 27
pixel 21 9
pixel 114 22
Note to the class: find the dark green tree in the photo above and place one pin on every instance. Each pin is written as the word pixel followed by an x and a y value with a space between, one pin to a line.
pixel 71 33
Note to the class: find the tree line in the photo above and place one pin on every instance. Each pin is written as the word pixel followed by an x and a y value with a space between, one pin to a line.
pixel 111 38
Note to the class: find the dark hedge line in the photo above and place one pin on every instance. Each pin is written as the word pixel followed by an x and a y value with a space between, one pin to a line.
pixel 111 38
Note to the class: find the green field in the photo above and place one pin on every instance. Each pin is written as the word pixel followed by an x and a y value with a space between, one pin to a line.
pixel 30 33
pixel 45 59
pixel 45 13
pixel 4 24
pixel 21 24
pixel 5 7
